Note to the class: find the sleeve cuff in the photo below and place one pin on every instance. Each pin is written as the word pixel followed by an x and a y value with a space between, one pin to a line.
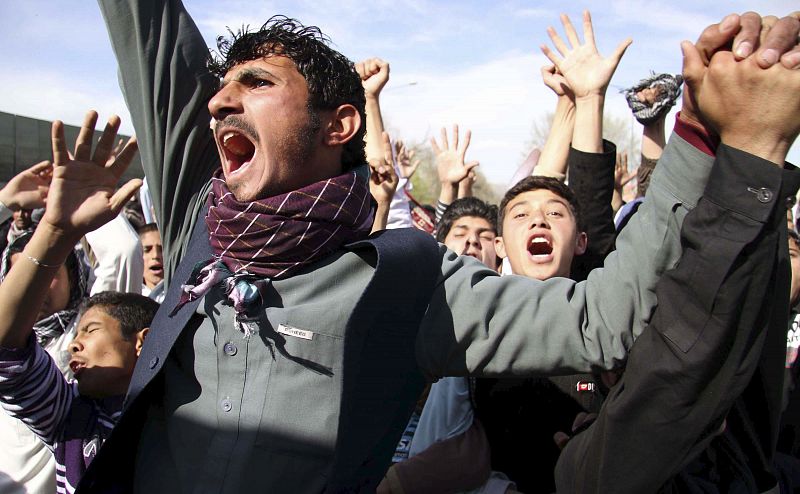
pixel 749 185
pixel 696 136
pixel 18 354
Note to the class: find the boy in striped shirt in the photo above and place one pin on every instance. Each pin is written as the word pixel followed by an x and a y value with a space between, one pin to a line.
pixel 75 417
pixel 72 418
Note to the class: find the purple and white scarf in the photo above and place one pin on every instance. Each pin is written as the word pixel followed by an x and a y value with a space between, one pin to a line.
pixel 254 242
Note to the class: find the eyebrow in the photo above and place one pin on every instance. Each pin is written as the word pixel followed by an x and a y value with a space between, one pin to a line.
pixel 248 75
pixel 86 326
pixel 480 230
pixel 558 200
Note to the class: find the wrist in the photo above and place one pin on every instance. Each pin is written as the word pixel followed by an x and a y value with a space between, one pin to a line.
pixel 656 128
pixel 449 193
pixel 590 98
pixel 565 102
pixel 768 147
pixel 8 201
pixel 56 235
pixel 587 135
pixel 50 245
pixel 372 98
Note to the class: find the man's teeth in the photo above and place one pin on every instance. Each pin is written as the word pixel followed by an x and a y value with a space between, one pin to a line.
pixel 237 144
pixel 539 240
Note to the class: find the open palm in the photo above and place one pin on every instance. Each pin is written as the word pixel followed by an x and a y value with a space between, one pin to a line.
pixel 585 70
pixel 83 193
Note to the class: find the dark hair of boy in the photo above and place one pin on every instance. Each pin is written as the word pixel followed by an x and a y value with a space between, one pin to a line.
pixel 134 312
pixel 149 227
pixel 466 206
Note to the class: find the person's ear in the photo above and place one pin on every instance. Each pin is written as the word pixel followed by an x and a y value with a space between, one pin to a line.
pixel 500 247
pixel 139 343
pixel 581 242
pixel 343 125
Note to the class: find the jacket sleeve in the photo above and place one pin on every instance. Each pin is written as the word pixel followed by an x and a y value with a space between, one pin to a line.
pixel 591 177
pixel 479 323
pixel 705 339
pixel 164 78
pixel 33 390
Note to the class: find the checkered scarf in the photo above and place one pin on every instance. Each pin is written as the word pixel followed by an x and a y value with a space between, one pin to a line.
pixel 670 86
pixel 272 238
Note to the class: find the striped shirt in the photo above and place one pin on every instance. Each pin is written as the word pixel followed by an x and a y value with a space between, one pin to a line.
pixel 32 389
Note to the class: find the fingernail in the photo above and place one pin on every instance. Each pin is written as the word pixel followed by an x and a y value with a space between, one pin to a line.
pixel 728 23
pixel 792 61
pixel 770 56
pixel 744 49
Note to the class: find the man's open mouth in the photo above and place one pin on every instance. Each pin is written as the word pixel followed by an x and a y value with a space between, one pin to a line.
pixel 238 148
pixel 540 246
pixel 76 366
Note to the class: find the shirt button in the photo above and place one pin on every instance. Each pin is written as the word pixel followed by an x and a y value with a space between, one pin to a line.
pixel 153 362
pixel 226 405
pixel 230 349
pixel 763 195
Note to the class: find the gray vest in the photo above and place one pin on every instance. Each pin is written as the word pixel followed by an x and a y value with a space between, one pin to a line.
pixel 381 379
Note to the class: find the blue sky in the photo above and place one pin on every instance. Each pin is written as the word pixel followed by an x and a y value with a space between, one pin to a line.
pixel 474 64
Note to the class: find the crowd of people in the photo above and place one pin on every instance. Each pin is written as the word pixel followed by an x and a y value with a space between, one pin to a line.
pixel 271 310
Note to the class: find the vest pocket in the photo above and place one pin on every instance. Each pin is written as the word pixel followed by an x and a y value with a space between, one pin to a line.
pixel 301 412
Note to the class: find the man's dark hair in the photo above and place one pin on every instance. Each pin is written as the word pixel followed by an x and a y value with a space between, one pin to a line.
pixel 466 206
pixel 332 78
pixel 535 183
pixel 134 312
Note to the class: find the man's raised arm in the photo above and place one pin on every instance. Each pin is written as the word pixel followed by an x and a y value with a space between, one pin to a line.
pixel 166 84
pixel 491 326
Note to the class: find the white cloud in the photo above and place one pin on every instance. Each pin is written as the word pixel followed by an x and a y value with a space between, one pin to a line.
pixel 497 100
pixel 50 95
pixel 536 13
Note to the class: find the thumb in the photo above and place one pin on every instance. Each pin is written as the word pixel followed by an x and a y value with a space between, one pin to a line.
pixel 620 50
pixel 693 66
pixel 124 193
pixel 472 164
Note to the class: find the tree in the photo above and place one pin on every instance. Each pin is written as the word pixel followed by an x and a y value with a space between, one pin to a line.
pixel 426 181
pixel 619 130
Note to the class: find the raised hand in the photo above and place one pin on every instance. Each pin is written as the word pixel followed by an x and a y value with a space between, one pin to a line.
pixel 621 173
pixel 28 189
pixel 374 74
pixel 382 178
pixel 584 69
pixel 749 35
pixel 450 163
pixel 553 79
pixel 382 183
pixel 405 159
pixel 83 193
pixel 750 107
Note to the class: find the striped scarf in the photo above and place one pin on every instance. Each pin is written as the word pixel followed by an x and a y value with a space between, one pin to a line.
pixel 274 237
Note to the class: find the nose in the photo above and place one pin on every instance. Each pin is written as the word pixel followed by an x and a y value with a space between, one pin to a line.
pixel 539 219
pixel 155 253
pixel 471 242
pixel 226 102
pixel 75 346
